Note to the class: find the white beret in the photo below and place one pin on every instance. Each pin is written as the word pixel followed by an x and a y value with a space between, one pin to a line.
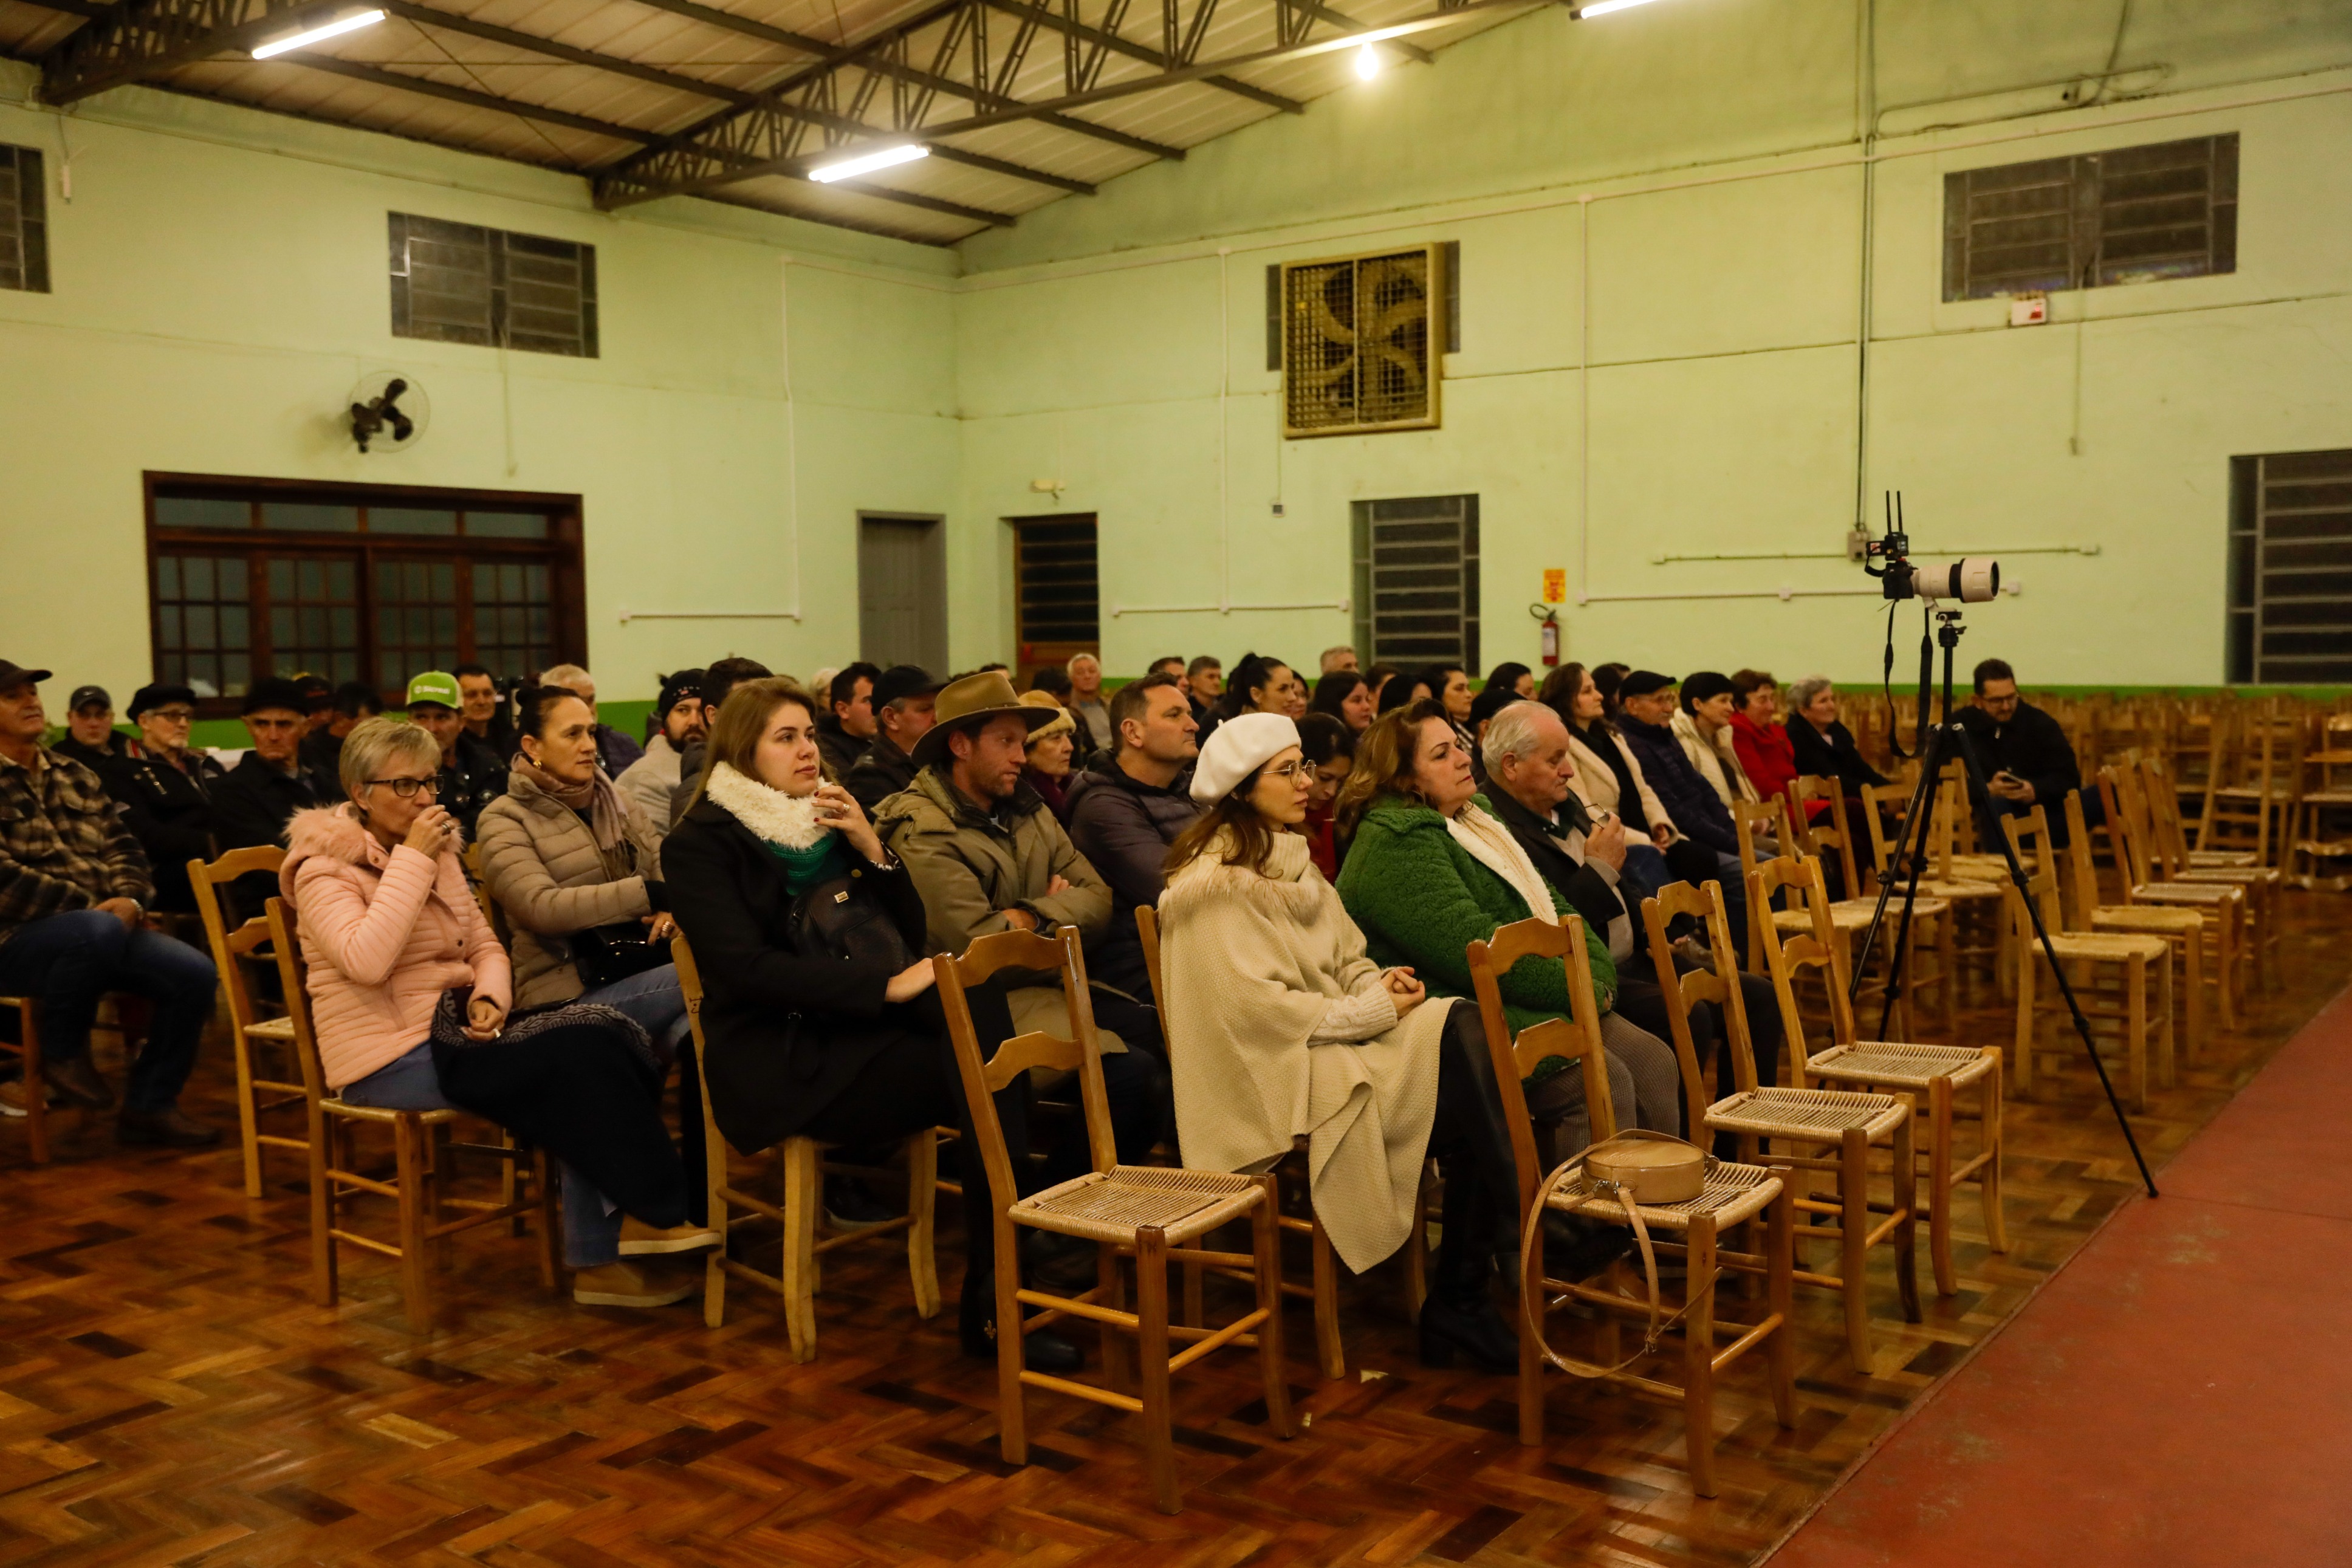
pixel 1237 748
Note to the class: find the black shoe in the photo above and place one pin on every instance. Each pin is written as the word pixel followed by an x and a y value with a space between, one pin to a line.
pixel 1060 1262
pixel 1044 1350
pixel 73 1080
pixel 1472 1328
pixel 1577 1249
pixel 850 1205
pixel 170 1129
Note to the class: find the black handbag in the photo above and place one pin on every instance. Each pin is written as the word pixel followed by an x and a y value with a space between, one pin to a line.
pixel 835 919
pixel 605 954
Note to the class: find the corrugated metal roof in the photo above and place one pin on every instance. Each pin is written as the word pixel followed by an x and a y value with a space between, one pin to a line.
pixel 508 99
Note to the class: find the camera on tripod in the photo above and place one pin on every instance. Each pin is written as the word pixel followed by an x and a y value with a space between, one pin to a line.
pixel 1972 579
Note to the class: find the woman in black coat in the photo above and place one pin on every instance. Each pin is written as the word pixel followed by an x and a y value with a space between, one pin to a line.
pixel 1822 744
pixel 805 1041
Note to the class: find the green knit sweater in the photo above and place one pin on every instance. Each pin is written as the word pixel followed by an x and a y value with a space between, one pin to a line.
pixel 1422 900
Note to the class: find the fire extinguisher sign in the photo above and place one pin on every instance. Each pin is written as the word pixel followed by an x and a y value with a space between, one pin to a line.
pixel 1555 585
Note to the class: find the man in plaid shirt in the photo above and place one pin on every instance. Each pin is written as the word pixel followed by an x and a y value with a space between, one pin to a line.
pixel 74 887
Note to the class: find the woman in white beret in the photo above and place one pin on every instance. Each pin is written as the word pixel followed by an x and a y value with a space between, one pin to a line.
pixel 1278 1025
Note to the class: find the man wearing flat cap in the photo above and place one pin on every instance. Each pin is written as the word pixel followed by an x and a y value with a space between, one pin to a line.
pixel 74 886
pixel 903 702
pixel 253 804
pixel 166 790
pixel 90 738
pixel 988 856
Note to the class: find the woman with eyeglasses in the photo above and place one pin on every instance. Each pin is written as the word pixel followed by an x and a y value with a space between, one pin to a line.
pixel 410 994
pixel 1281 1027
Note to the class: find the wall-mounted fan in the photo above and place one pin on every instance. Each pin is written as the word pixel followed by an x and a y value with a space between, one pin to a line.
pixel 389 412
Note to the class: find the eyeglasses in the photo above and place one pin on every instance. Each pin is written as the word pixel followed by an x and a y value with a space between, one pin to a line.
pixel 1293 771
pixel 406 789
pixel 176 715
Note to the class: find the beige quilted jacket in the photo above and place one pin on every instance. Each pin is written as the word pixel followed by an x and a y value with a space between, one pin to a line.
pixel 540 865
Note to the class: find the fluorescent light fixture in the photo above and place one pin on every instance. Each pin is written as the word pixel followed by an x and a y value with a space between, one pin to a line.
pixel 1602 7
pixel 320 33
pixel 865 163
pixel 1367 62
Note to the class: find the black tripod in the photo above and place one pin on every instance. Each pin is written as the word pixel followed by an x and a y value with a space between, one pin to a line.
pixel 1937 744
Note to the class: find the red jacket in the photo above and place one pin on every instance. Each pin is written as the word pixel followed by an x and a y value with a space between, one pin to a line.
pixel 1766 752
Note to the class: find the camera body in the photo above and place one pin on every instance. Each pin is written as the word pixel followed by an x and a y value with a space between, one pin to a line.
pixel 1972 579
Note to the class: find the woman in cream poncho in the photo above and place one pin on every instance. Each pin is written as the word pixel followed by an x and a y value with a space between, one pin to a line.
pixel 1279 1026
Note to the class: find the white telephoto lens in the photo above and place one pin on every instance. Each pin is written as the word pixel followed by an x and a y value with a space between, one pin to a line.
pixel 1972 579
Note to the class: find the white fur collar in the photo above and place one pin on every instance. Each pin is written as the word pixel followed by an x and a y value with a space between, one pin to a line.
pixel 771 814
pixel 1490 843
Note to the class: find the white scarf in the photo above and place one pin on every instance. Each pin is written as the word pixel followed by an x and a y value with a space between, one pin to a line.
pixel 771 814
pixel 1490 843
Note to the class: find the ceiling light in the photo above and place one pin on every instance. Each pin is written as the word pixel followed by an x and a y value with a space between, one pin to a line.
pixel 1602 7
pixel 319 33
pixel 1367 62
pixel 867 162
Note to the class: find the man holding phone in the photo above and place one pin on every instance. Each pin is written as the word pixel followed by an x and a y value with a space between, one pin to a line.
pixel 2024 750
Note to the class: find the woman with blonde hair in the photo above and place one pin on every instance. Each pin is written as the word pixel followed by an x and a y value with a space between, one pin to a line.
pixel 411 996
pixel 1281 1027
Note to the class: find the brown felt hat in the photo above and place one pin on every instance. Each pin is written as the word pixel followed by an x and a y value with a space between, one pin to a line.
pixel 969 704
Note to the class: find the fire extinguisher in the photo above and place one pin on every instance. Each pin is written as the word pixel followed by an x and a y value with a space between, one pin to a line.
pixel 1550 619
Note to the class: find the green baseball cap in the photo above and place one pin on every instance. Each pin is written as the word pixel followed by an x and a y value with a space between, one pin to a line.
pixel 435 687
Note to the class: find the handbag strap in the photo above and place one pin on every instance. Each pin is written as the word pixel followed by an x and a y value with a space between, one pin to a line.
pixel 1531 1284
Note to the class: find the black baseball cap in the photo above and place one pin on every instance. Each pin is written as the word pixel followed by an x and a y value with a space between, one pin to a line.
pixel 1642 682
pixel 312 694
pixel 900 681
pixel 274 692
pixel 156 696
pixel 14 675
pixel 89 696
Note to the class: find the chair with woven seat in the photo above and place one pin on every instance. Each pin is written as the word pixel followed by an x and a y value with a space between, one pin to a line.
pixel 2223 907
pixel 1953 832
pixel 2323 829
pixel 32 1086
pixel 1847 1124
pixel 1291 1177
pixel 2248 807
pixel 2136 958
pixel 1762 829
pixel 422 1153
pixel 2183 929
pixel 1151 1215
pixel 801 1171
pixel 1828 840
pixel 2159 874
pixel 2263 882
pixel 233 948
pixel 1937 1073
pixel 1733 1195
pixel 1974 902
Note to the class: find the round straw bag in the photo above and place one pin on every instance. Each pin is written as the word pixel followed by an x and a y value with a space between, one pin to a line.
pixel 1635 1167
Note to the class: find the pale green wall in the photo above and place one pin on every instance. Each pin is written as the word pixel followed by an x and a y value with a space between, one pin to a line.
pixel 219 287
pixel 1723 322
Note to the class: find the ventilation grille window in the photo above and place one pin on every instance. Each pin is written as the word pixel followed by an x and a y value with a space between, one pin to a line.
pixel 2291 567
pixel 24 225
pixel 457 283
pixel 1059 592
pixel 2136 214
pixel 1417 581
pixel 1357 346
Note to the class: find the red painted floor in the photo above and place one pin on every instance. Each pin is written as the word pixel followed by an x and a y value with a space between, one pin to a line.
pixel 2179 1394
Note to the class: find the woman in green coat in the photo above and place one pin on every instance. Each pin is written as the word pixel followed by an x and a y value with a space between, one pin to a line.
pixel 1432 871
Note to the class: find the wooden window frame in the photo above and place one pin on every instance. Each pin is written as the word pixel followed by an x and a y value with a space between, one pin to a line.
pixel 559 552
pixel 28 167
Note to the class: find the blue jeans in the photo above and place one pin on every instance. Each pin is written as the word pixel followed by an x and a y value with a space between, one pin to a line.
pixel 654 1001
pixel 69 961
pixel 592 1226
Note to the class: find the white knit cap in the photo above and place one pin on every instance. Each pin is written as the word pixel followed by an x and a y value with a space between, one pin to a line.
pixel 1237 748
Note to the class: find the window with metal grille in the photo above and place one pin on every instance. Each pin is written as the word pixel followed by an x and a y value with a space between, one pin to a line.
pixel 2134 215
pixel 1453 250
pixel 1056 590
pixel 2291 567
pixel 24 222
pixel 1417 581
pixel 458 283
pixel 254 578
pixel 1358 350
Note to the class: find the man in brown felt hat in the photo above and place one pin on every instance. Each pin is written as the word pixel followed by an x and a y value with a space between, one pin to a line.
pixel 988 856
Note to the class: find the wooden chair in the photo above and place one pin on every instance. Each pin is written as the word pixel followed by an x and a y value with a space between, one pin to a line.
pixel 801 1171
pixel 2148 795
pixel 1830 834
pixel 27 1048
pixel 423 1153
pixel 1938 1071
pixel 1954 833
pixel 2248 808
pixel 233 951
pixel 2323 831
pixel 1756 821
pixel 1152 1214
pixel 1973 902
pixel 1291 1170
pixel 1847 1124
pixel 2182 929
pixel 2133 957
pixel 1733 1195
pixel 2221 907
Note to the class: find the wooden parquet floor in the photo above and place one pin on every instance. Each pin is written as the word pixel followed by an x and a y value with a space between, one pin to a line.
pixel 168 1395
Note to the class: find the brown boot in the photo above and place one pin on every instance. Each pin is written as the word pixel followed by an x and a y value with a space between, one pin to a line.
pixel 627 1285
pixel 638 1239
